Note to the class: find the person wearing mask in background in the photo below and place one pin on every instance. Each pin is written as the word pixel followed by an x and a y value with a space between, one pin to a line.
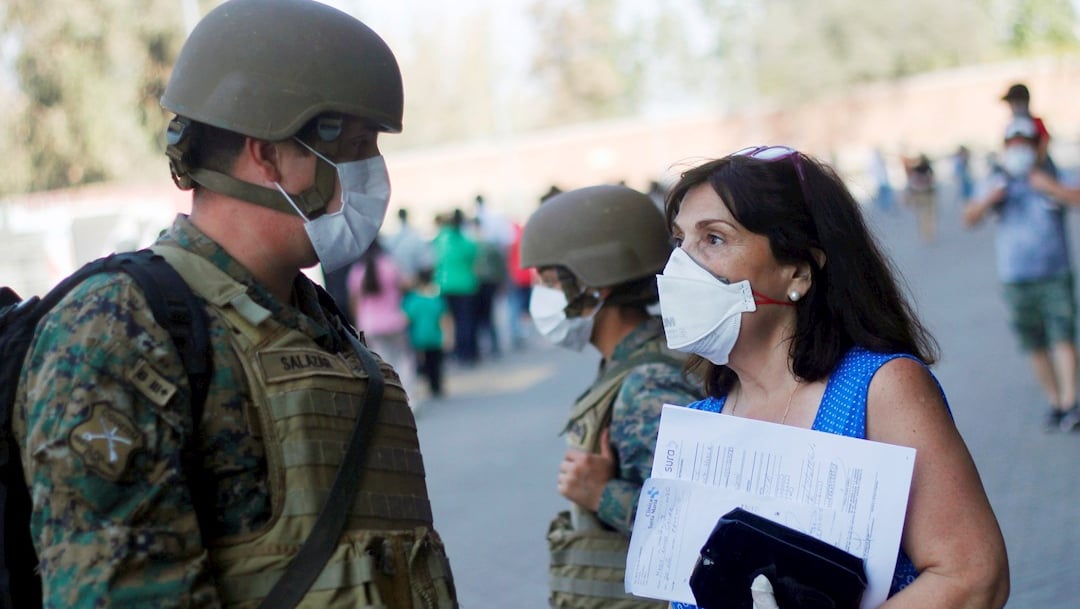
pixel 1019 99
pixel 279 106
pixel 1034 267
pixel 597 251
pixel 793 315
pixel 376 286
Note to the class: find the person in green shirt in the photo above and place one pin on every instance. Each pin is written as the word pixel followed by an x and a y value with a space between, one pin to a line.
pixel 425 307
pixel 455 274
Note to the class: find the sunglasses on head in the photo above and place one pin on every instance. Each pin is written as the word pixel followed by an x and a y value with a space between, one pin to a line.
pixel 776 153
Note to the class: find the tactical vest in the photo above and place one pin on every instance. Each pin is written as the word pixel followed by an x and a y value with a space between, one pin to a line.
pixel 588 557
pixel 304 403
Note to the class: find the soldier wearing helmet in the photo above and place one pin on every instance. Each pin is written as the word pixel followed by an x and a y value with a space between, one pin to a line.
pixel 278 108
pixel 597 251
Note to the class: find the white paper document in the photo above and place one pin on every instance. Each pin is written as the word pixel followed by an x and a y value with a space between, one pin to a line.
pixel 849 492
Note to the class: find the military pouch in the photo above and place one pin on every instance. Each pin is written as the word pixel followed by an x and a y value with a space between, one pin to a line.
pixel 805 572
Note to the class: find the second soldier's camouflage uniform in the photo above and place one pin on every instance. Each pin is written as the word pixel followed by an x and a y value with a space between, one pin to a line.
pixel 103 420
pixel 588 549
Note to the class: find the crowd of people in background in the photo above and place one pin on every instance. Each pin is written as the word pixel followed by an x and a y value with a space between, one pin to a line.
pixel 462 297
pixel 428 303
pixel 1020 187
pixel 932 181
pixel 1034 267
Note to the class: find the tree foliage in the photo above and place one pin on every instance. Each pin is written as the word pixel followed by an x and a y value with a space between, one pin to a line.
pixel 448 79
pixel 80 79
pixel 587 68
pixel 800 53
pixel 1037 25
pixel 786 50
pixel 89 77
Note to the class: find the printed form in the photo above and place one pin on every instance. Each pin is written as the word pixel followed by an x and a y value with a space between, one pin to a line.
pixel 849 492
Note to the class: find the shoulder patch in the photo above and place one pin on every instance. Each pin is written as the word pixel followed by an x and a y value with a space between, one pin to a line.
pixel 106 440
pixel 151 383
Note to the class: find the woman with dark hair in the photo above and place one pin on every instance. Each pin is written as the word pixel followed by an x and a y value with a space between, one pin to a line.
pixel 805 324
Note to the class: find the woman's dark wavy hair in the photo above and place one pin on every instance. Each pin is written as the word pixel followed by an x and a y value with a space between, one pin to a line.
pixel 855 299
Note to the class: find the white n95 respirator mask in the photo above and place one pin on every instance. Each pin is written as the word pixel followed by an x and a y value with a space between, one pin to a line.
pixel 702 314
pixel 547 307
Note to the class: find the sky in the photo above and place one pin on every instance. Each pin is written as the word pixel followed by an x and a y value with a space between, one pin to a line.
pixel 394 21
pixel 397 23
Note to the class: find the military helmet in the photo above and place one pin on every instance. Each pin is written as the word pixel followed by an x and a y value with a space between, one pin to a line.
pixel 264 68
pixel 605 235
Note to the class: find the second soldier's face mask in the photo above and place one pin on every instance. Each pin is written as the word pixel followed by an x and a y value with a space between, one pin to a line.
pixel 547 306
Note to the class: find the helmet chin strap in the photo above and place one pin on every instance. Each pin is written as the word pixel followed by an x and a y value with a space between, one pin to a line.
pixel 312 201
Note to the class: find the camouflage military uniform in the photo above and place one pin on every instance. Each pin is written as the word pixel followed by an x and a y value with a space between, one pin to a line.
pixel 102 421
pixel 634 421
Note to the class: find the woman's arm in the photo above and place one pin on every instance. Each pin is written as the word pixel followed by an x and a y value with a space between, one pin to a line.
pixel 951 533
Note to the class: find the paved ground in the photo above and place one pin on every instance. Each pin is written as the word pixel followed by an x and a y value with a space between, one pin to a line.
pixel 492 448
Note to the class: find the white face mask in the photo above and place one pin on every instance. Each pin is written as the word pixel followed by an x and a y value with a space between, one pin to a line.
pixel 702 314
pixel 341 238
pixel 547 306
pixel 1018 160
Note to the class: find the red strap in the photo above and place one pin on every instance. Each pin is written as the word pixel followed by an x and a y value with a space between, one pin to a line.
pixel 762 299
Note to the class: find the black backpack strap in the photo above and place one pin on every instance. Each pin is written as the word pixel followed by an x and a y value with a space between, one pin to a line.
pixel 177 309
pixel 174 306
pixel 309 561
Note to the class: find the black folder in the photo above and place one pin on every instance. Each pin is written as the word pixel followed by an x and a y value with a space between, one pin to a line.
pixel 805 572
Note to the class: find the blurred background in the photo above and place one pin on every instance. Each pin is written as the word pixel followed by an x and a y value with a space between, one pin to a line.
pixel 505 99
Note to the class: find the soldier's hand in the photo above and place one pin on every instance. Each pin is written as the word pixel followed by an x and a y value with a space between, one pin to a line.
pixel 583 475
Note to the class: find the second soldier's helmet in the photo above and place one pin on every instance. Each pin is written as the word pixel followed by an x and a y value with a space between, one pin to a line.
pixel 605 235
pixel 264 68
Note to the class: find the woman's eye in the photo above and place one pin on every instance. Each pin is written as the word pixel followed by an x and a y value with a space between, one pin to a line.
pixel 676 241
pixel 715 239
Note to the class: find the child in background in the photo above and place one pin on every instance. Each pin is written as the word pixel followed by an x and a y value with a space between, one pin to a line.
pixel 425 307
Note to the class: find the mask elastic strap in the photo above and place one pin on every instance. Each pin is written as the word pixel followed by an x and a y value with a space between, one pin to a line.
pixel 599 305
pixel 582 294
pixel 761 299
pixel 315 152
pixel 291 202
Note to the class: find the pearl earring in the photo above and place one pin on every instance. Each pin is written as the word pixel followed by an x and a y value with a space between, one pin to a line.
pixel 794 296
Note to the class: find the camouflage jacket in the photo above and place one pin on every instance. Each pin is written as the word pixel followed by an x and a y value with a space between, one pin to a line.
pixel 635 421
pixel 104 412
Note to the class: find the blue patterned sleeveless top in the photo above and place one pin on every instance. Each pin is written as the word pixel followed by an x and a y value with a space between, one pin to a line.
pixel 843 412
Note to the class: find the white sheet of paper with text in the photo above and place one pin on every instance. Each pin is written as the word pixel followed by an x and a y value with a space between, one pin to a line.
pixel 849 492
